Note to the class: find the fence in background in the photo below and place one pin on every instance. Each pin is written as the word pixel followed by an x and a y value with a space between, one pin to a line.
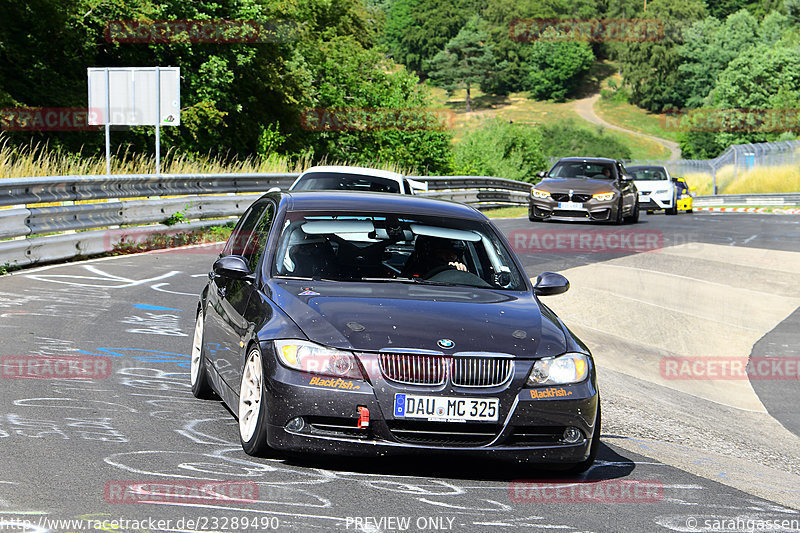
pixel 741 157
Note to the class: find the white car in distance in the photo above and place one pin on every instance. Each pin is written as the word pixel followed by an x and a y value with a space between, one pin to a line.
pixel 657 189
pixel 338 178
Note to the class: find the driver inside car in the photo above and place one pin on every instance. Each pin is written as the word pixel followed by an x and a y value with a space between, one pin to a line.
pixel 432 254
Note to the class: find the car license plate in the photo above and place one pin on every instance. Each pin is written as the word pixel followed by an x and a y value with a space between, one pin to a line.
pixel 570 205
pixel 446 408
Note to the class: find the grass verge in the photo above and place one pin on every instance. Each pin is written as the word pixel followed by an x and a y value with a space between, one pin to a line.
pixel 507 212
pixel 630 117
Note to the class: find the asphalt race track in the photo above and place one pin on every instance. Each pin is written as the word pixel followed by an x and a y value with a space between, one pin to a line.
pixel 678 454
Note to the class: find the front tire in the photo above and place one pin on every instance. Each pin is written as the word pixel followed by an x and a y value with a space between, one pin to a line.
pixel 618 218
pixel 252 406
pixel 634 216
pixel 198 376
pixel 674 209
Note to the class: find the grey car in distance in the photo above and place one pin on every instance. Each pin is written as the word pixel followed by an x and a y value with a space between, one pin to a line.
pixel 585 189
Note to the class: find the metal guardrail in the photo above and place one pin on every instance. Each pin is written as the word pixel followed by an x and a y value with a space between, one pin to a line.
pixel 203 199
pixel 765 199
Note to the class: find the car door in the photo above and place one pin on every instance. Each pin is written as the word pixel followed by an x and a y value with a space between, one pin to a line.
pixel 227 298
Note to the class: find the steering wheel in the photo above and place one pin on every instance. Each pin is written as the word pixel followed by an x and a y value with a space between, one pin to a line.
pixel 438 270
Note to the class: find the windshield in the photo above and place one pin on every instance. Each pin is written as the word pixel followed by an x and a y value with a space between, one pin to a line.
pixel 582 169
pixel 341 181
pixel 648 173
pixel 394 248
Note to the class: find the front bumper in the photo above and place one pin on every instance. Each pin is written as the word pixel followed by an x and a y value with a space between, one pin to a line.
pixel 652 202
pixel 591 210
pixel 528 429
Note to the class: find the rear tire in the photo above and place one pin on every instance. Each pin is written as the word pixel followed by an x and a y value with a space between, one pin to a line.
pixel 252 406
pixel 198 376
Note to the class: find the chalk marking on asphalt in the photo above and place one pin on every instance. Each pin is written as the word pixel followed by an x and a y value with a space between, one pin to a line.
pixel 104 276
pixel 499 506
pixel 750 238
pixel 158 288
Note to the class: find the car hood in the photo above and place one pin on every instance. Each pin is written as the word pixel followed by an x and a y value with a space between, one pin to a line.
pixel 578 185
pixel 652 185
pixel 395 316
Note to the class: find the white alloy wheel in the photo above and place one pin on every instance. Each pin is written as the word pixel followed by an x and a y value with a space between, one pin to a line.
pixel 197 350
pixel 250 394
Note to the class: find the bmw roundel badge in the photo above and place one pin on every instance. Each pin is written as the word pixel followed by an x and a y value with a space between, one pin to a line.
pixel 446 344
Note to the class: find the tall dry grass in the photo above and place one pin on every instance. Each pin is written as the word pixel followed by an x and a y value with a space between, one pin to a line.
pixel 19 161
pixel 784 178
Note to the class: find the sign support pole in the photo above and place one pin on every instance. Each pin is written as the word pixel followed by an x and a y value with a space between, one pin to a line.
pixel 158 121
pixel 108 128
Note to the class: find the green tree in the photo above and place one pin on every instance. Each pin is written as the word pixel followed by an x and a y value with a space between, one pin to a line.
pixel 556 68
pixel 650 68
pixel 501 149
pixel 511 47
pixel 417 29
pixel 466 60
pixel 349 79
pixel 709 46
pixel 568 138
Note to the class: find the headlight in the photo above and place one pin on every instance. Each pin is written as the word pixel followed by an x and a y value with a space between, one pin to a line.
pixel 317 359
pixel 603 196
pixel 561 370
pixel 538 193
pixel 662 191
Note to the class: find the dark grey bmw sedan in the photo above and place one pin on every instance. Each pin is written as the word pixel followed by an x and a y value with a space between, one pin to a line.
pixel 367 323
pixel 585 189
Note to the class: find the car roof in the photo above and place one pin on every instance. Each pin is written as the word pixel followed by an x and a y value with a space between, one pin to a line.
pixel 377 203
pixel 588 159
pixel 341 169
pixel 659 167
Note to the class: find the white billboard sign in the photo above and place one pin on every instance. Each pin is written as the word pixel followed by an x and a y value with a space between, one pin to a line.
pixel 136 96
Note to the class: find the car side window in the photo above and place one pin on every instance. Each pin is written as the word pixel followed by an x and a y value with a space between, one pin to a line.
pixel 258 237
pixel 241 233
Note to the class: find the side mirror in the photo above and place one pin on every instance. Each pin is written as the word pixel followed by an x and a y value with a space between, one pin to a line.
pixel 541 174
pixel 549 283
pixel 233 267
